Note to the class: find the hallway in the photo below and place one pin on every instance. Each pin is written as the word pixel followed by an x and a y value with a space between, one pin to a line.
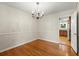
pixel 64 40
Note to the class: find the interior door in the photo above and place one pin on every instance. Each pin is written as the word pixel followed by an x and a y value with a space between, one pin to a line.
pixel 74 31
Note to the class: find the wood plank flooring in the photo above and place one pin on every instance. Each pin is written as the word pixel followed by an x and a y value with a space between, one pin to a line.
pixel 64 40
pixel 40 48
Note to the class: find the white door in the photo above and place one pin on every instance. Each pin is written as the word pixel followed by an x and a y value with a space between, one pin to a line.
pixel 74 31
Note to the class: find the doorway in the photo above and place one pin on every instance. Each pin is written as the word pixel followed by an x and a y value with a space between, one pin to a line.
pixel 65 30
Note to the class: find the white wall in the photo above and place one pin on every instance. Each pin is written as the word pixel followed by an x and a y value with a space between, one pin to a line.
pixel 49 26
pixel 16 27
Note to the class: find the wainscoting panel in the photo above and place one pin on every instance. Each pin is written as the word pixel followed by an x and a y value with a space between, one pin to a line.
pixel 11 40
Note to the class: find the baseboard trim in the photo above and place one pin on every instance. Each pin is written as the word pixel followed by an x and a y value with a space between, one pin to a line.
pixel 48 40
pixel 16 46
pixel 74 51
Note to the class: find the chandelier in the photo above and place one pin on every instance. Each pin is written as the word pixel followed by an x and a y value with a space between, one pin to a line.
pixel 37 13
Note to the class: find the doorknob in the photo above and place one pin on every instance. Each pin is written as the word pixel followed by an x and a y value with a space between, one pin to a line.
pixel 75 33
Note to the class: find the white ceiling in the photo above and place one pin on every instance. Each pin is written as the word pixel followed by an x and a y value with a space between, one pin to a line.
pixel 47 7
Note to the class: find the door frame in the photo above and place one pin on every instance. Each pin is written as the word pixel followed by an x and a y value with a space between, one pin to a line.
pixel 77 32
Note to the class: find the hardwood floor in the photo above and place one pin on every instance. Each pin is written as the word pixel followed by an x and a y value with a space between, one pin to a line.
pixel 40 48
pixel 64 40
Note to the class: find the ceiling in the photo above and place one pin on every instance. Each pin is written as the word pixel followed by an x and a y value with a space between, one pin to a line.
pixel 47 7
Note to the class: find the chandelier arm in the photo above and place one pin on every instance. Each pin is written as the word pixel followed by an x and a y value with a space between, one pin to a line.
pixel 37 13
